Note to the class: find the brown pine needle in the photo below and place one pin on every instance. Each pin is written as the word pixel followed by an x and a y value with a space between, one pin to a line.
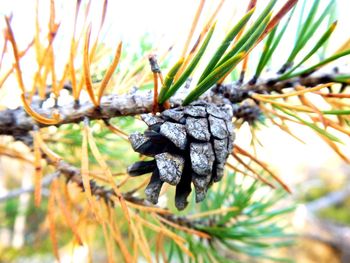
pixel 103 16
pixel 21 54
pixel 285 128
pixel 140 242
pixel 334 95
pixel 63 78
pixel 300 90
pixel 139 227
pixel 86 68
pixel 335 148
pixel 140 186
pixel 237 170
pixel 160 229
pixel 135 249
pixel 36 116
pixel 179 243
pixel 252 171
pixel 204 31
pixel 12 40
pixel 193 27
pixel 308 103
pixel 43 58
pixel 43 146
pixel 160 248
pixel 85 175
pixel 115 129
pixel 213 16
pixel 115 231
pixel 263 165
pixel 73 77
pixel 109 72
pixel 148 208
pixel 95 151
pixel 12 153
pixel 6 75
pixel 51 207
pixel 277 18
pixel 333 124
pixel 234 168
pixel 275 113
pixel 68 217
pixel 51 60
pixel 3 48
pixel 282 104
pixel 38 174
pixel 183 228
pixel 108 241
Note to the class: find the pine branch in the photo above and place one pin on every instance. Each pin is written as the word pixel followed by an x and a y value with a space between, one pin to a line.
pixel 17 192
pixel 17 123
pixel 72 174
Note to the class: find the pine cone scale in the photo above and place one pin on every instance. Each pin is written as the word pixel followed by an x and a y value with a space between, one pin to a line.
pixel 190 145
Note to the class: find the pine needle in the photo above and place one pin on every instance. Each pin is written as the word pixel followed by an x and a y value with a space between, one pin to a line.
pixel 263 165
pixel 43 146
pixel 115 231
pixel 68 217
pixel 148 208
pixel 13 153
pixel 109 72
pixel 282 104
pixel 38 174
pixel 36 116
pixel 51 207
pixel 108 241
pixel 160 248
pixel 193 27
pixel 95 151
pixel 12 40
pixel 300 91
pixel 86 68
pixel 277 18
pixel 85 175
pixel 219 211
pixel 144 240
pixel 183 228
pixel 116 130
pixel 246 166
pixel 9 72
pixel 140 242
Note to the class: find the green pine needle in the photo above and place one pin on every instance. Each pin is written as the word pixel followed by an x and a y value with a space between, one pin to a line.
pixel 320 64
pixel 317 46
pixel 169 78
pixel 225 44
pixel 184 76
pixel 213 77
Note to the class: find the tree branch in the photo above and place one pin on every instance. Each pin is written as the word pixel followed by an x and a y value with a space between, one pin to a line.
pixel 18 123
pixel 17 192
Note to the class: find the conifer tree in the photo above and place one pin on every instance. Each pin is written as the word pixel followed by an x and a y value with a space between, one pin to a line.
pixel 145 157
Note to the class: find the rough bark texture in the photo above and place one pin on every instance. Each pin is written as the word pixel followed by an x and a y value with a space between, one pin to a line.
pixel 17 122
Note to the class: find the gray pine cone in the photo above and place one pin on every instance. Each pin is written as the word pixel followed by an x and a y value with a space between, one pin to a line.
pixel 189 144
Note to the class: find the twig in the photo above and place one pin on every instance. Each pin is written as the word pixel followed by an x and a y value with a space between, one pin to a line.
pixel 17 192
pixel 17 123
pixel 332 198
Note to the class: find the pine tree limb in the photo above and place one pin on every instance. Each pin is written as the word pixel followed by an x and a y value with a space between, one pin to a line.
pixel 18 124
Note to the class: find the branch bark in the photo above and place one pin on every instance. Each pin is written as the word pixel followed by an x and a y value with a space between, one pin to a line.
pixel 18 123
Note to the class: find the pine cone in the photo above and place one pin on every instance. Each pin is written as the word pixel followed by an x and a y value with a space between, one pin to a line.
pixel 189 144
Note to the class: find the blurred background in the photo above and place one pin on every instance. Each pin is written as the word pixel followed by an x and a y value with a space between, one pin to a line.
pixel 320 180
